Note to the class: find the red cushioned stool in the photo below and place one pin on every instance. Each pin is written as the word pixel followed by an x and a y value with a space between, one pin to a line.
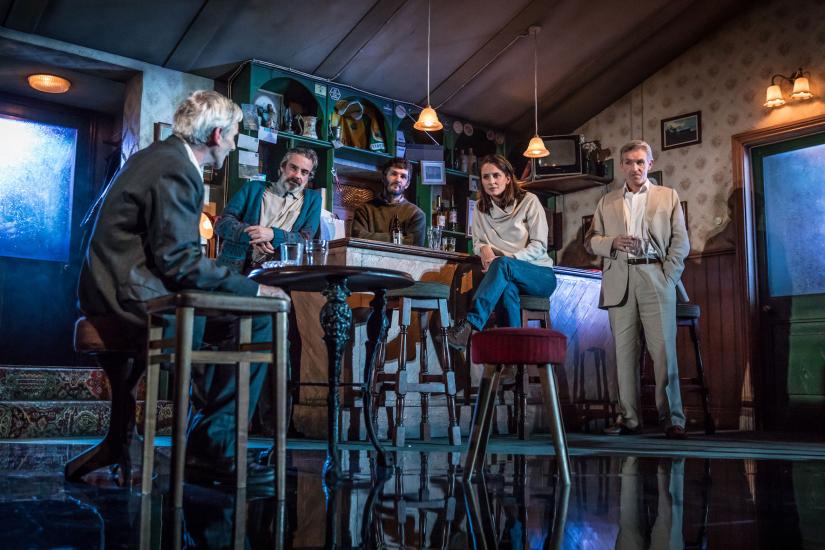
pixel 500 347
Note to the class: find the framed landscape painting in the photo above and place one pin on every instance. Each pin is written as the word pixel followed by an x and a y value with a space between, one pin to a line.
pixel 682 130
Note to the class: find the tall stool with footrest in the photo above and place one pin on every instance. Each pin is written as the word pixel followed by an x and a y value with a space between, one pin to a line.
pixel 497 348
pixel 423 298
pixel 185 305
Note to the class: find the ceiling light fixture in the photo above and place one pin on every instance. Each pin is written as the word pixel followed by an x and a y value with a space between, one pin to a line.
pixel 536 148
pixel 49 83
pixel 428 118
pixel 801 88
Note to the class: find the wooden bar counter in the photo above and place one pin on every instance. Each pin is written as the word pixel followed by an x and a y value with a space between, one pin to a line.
pixel 586 384
pixel 422 264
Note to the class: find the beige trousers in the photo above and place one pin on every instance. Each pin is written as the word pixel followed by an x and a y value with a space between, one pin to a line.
pixel 650 304
pixel 635 532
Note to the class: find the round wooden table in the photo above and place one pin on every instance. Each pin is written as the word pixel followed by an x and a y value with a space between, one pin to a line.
pixel 336 283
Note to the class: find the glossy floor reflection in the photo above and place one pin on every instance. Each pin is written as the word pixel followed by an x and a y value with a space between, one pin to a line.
pixel 614 502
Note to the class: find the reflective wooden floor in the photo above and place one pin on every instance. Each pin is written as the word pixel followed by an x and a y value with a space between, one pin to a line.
pixel 622 500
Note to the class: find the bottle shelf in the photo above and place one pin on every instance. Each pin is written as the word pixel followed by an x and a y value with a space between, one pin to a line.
pixel 565 184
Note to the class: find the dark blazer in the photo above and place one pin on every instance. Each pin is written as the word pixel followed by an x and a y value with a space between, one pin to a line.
pixel 145 241
pixel 244 209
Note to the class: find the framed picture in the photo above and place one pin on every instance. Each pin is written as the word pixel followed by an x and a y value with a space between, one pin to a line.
pixel 587 224
pixel 656 178
pixel 682 130
pixel 473 185
pixel 269 107
pixel 471 210
pixel 162 130
pixel 433 172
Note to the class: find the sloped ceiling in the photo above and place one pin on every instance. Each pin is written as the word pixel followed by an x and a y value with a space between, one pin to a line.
pixel 590 52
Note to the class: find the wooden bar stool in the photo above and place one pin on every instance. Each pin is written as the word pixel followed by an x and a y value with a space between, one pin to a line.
pixel 186 305
pixel 423 298
pixel 687 315
pixel 533 308
pixel 117 348
pixel 497 348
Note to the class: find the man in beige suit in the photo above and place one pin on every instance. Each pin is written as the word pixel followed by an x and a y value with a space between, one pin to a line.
pixel 640 232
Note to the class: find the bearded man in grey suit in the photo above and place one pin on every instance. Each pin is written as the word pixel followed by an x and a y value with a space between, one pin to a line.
pixel 639 230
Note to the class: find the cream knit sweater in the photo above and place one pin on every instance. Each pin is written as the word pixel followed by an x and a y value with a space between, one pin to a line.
pixel 518 231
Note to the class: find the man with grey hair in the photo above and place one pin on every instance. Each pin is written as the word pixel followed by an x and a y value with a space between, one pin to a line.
pixel 639 231
pixel 145 244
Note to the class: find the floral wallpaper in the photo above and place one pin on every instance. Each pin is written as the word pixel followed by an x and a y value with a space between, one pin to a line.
pixel 724 77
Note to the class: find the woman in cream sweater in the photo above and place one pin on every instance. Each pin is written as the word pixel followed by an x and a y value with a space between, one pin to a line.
pixel 510 237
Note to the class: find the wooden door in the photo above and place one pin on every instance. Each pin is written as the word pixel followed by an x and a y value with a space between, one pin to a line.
pixel 789 192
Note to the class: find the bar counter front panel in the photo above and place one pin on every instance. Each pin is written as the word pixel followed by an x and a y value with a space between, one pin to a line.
pixel 574 311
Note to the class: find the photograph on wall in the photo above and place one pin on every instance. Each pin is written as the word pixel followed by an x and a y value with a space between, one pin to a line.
pixel 432 172
pixel 269 108
pixel 682 130
pixel 656 178
pixel 250 116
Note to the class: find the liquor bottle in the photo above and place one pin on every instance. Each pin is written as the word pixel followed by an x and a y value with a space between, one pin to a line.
pixel 452 217
pixel 442 214
pixel 472 162
pixel 436 208
pixel 465 161
pixel 395 231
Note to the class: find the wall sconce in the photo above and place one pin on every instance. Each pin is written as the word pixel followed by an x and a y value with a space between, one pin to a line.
pixel 801 88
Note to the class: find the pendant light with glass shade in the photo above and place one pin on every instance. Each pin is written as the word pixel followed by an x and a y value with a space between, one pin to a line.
pixel 428 118
pixel 536 148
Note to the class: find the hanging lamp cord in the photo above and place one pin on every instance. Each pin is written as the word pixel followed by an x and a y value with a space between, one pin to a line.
pixel 535 81
pixel 428 53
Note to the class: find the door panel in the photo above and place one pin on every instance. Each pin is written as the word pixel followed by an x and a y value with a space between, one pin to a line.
pixel 790 207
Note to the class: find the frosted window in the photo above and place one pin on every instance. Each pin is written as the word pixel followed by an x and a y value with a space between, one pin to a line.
pixel 37 164
pixel 794 186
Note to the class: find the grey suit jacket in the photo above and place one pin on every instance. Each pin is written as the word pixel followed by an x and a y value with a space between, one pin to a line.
pixel 145 242
pixel 665 223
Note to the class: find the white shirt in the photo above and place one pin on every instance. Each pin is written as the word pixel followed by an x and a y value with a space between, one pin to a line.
pixel 192 159
pixel 635 205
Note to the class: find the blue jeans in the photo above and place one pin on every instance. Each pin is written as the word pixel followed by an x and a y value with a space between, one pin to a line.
pixel 505 279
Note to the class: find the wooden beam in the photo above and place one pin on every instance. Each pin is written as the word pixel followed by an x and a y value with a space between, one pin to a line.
pixel 532 14
pixel 607 78
pixel 359 36
pixel 209 19
pixel 25 15
pixel 635 49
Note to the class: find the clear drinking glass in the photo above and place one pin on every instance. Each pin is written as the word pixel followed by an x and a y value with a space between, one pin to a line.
pixel 450 244
pixel 316 251
pixel 640 247
pixel 434 237
pixel 292 253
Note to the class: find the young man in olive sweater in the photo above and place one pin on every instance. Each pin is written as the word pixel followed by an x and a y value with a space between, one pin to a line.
pixel 373 219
